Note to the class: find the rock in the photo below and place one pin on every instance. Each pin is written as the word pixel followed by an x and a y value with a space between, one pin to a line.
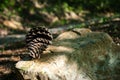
pixel 92 56
pixel 75 33
pixel 81 31
pixel 67 35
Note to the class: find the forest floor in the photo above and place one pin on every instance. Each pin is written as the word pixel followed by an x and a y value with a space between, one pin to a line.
pixel 12 40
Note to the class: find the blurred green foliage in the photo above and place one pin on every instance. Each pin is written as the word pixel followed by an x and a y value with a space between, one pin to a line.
pixel 65 5
pixel 30 10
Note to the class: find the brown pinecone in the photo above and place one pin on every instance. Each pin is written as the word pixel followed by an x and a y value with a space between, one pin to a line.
pixel 37 40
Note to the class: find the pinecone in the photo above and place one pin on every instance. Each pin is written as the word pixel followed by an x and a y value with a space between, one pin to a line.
pixel 37 40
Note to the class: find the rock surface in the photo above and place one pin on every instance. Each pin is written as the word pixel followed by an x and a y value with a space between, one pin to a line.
pixel 92 56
